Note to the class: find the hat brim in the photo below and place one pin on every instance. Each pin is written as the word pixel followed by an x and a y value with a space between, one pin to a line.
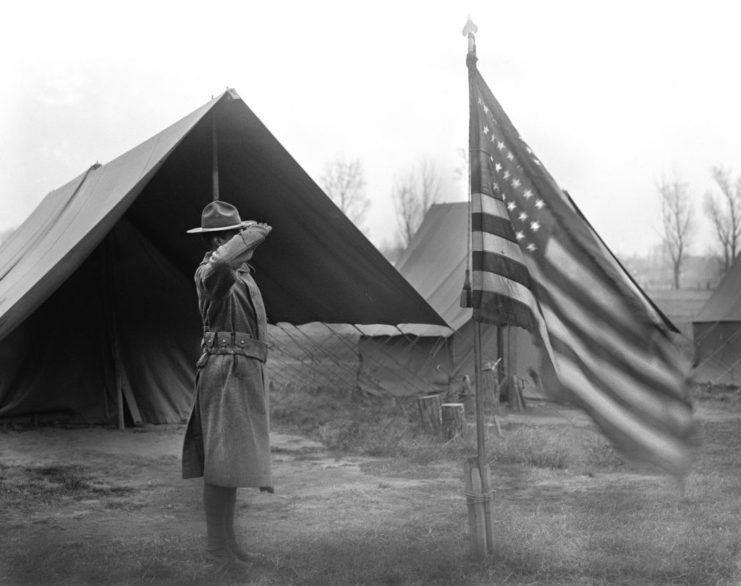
pixel 239 226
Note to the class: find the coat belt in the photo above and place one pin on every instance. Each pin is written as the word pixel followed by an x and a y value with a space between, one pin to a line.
pixel 235 343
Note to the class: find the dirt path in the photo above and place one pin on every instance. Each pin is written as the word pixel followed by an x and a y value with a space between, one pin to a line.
pixel 136 474
pixel 106 493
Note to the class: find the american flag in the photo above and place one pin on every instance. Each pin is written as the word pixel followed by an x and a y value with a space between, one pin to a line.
pixel 538 264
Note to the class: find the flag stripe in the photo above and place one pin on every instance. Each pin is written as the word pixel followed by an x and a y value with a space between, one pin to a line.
pixel 483 281
pixel 482 203
pixel 602 340
pixel 624 386
pixel 499 264
pixel 675 420
pixel 665 449
pixel 549 278
pixel 577 304
pixel 495 308
pixel 500 245
pixel 493 225
pixel 569 269
pixel 593 294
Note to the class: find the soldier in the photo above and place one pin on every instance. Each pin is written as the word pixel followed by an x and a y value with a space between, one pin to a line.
pixel 227 439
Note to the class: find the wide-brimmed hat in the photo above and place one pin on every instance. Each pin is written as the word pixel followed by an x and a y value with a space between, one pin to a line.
pixel 219 215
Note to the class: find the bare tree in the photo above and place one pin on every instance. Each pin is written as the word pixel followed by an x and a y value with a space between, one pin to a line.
pixel 725 213
pixel 413 195
pixel 676 215
pixel 344 181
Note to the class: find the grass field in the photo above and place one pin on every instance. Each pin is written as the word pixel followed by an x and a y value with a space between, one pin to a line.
pixel 363 497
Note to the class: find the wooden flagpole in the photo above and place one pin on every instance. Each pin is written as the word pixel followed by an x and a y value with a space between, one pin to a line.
pixel 483 461
pixel 478 486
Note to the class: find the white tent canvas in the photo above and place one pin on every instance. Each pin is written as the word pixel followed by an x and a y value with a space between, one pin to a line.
pixel 717 333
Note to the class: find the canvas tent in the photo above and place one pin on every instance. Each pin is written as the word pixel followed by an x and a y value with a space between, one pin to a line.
pixel 96 290
pixel 716 333
pixel 428 359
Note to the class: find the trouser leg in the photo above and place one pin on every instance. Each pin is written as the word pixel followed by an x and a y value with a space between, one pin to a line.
pixel 216 503
pixel 231 506
pixel 231 537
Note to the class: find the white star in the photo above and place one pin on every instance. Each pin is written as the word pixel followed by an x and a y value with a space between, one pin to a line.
pixel 519 235
pixel 515 183
pixel 480 102
pixel 495 186
pixel 500 145
pixel 498 167
pixel 534 226
pixel 531 247
pixel 539 203
pixel 492 138
pixel 486 108
pixel 522 216
pixel 510 156
pixel 486 130
pixel 506 175
pixel 527 194
pixel 511 206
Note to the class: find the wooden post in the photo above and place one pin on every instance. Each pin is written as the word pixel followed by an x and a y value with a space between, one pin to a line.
pixel 476 523
pixel 483 463
pixel 430 413
pixel 453 415
pixel 486 497
pixel 468 397
pixel 491 388
pixel 516 401
pixel 491 384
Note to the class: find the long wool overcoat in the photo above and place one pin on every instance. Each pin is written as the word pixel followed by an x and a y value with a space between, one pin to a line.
pixel 227 439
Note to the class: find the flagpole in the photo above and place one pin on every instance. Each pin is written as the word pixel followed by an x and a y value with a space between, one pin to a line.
pixel 486 545
pixel 480 423
pixel 214 159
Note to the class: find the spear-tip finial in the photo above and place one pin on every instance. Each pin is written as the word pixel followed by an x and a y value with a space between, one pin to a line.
pixel 470 31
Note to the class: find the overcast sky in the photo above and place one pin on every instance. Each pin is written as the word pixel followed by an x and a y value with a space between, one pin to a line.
pixel 611 96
